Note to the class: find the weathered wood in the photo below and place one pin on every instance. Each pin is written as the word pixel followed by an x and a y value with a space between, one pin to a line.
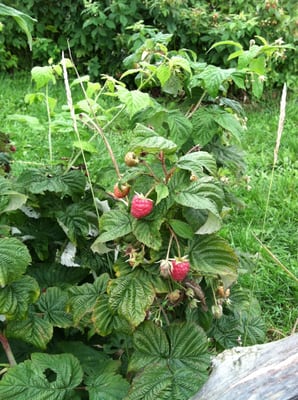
pixel 261 372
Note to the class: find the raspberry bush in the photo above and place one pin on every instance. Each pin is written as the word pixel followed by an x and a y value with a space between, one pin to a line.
pixel 101 297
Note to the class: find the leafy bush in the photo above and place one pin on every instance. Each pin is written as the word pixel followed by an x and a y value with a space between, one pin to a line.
pixel 99 31
pixel 113 297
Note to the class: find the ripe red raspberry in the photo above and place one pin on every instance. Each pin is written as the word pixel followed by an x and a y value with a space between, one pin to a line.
pixel 180 269
pixel 141 206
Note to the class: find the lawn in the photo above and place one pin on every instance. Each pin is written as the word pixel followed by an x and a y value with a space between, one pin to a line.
pixel 269 210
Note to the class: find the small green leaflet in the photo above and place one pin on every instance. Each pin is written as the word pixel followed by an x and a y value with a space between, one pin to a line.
pixel 181 228
pixel 162 192
pixel 28 380
pixel 14 259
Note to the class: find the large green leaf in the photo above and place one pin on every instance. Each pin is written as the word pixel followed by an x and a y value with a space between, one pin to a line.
pixel 131 296
pixel 201 195
pixel 82 298
pixel 34 330
pixel 107 386
pixel 9 199
pixel 172 363
pixel 180 127
pixel 147 232
pixel 53 305
pixel 198 161
pixel 212 255
pixel 105 321
pixel 134 100
pixel 204 126
pixel 28 380
pixel 213 78
pixel 16 297
pixel 151 345
pixel 189 348
pixel 158 382
pixel 146 139
pixel 14 259
pixel 74 221
pixel 229 122
pixel 39 181
pixel 23 20
pixel 116 224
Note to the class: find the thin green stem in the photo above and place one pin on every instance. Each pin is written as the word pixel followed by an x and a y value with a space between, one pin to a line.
pixel 49 124
pixel 76 130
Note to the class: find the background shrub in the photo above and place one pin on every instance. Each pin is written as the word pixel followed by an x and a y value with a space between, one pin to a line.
pixel 99 35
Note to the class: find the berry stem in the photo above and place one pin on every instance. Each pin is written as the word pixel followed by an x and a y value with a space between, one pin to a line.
pixel 6 347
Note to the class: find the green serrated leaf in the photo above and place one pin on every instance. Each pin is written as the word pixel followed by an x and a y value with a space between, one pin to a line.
pixel 85 146
pixel 204 126
pixel 189 348
pixel 211 225
pixel 28 380
pixel 33 122
pixel 74 222
pixel 227 331
pixel 11 200
pixel 178 61
pixel 153 144
pixel 162 192
pixel 212 255
pixel 116 224
pixel 181 228
pixel 82 299
pixel 107 386
pixel 14 259
pixel 53 305
pixel 34 330
pixel 172 364
pixel 134 100
pixel 42 76
pixel 198 161
pixel 213 77
pixel 201 195
pixel 147 232
pixel 16 297
pixel 130 297
pixel 180 127
pixel 163 73
pixel 229 122
pixel 151 345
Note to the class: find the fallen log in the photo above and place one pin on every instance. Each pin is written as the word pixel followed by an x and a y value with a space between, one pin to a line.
pixel 261 372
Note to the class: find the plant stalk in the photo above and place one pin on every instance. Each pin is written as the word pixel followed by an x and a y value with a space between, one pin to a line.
pixel 6 347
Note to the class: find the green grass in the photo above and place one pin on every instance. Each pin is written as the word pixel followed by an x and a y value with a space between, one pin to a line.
pixel 273 220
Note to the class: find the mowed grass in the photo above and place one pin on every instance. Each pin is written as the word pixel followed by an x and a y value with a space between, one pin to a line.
pixel 270 196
